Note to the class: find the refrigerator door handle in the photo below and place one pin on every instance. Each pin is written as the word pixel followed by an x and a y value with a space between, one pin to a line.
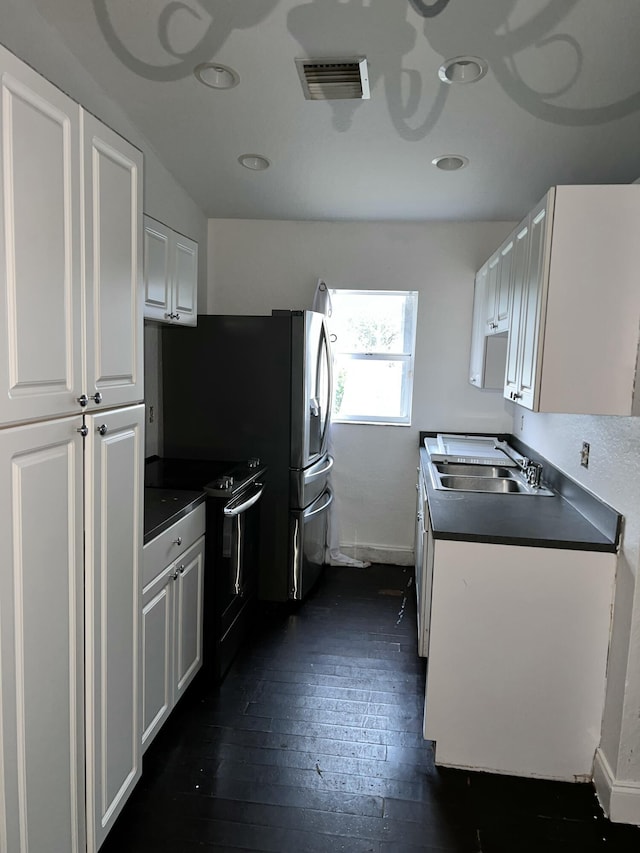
pixel 313 473
pixel 313 510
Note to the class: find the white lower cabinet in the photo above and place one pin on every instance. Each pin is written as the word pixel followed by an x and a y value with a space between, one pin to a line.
pixel 517 658
pixel 172 615
pixel 41 642
pixel 70 669
pixel 114 483
pixel 423 566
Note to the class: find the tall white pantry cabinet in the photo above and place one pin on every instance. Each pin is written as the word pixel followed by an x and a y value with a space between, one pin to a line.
pixel 71 468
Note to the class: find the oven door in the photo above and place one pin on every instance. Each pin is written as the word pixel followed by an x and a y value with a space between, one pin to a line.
pixel 308 541
pixel 231 576
pixel 238 540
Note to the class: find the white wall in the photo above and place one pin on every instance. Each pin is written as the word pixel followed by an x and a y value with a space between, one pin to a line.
pixel 614 475
pixel 25 32
pixel 258 265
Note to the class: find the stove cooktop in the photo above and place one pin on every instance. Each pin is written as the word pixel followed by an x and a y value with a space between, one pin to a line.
pixel 218 478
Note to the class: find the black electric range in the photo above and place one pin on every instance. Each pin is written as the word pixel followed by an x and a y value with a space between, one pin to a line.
pixel 232 492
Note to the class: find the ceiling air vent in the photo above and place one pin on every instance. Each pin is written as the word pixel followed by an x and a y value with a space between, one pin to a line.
pixel 333 79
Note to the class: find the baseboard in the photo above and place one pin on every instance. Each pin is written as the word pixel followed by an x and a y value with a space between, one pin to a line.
pixel 620 801
pixel 379 554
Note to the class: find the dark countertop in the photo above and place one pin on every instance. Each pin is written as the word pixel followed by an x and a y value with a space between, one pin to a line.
pixel 543 522
pixel 163 507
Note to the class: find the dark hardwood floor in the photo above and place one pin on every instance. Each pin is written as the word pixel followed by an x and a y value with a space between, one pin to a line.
pixel 313 743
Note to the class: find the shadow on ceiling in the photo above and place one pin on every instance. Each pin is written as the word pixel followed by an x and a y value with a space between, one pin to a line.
pixel 415 101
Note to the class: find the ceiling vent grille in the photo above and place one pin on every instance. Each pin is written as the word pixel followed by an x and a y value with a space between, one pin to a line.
pixel 334 79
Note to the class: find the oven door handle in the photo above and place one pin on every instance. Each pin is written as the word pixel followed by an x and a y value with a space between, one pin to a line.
pixel 234 508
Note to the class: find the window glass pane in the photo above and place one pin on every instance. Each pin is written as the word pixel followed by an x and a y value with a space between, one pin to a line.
pixel 368 389
pixel 373 339
pixel 375 323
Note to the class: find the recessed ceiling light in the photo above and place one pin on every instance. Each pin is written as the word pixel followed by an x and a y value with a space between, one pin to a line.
pixel 256 162
pixel 216 76
pixel 450 162
pixel 462 69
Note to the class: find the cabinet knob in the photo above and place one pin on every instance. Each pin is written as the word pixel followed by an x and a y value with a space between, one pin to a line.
pixel 83 430
pixel 517 395
pixel 181 569
pixel 178 541
pixel 83 399
pixel 174 576
pixel 102 429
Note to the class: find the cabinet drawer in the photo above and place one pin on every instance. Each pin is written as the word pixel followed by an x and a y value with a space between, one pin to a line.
pixel 168 546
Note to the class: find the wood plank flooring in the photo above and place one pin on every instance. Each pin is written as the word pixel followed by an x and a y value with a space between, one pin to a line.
pixel 313 744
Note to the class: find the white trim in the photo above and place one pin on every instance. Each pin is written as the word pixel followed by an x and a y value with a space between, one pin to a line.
pixel 620 801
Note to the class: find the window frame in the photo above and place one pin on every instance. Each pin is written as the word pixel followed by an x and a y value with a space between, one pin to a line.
pixel 406 358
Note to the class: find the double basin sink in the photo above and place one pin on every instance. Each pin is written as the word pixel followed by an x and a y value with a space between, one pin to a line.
pixel 496 479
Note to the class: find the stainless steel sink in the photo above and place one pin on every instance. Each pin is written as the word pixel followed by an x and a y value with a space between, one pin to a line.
pixel 482 484
pixel 496 479
pixel 452 468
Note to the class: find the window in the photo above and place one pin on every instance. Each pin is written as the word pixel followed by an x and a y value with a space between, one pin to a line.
pixel 373 334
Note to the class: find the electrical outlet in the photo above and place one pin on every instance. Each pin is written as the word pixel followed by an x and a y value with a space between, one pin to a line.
pixel 584 454
pixel 152 415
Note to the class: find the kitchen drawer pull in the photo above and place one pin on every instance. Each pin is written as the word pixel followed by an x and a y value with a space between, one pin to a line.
pixel 178 541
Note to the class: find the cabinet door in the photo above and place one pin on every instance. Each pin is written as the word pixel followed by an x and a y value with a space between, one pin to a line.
pixel 476 357
pixel 518 279
pixel 157 654
pixel 419 547
pixel 113 550
pixel 503 284
pixel 533 300
pixel 113 266
pixel 492 285
pixel 188 616
pixel 170 275
pixel 41 606
pixel 40 337
pixel 157 270
pixel 185 281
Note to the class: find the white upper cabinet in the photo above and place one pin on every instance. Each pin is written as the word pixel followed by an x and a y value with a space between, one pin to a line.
pixel 519 285
pixel 577 312
pixel 40 242
pixel 496 306
pixel 491 288
pixel 53 351
pixel 170 275
pixel 487 358
pixel 113 266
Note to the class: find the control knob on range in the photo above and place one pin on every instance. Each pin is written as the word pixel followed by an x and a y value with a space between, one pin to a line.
pixel 225 482
pixel 253 462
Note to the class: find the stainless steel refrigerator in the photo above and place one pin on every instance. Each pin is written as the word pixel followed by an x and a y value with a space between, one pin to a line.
pixel 236 387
